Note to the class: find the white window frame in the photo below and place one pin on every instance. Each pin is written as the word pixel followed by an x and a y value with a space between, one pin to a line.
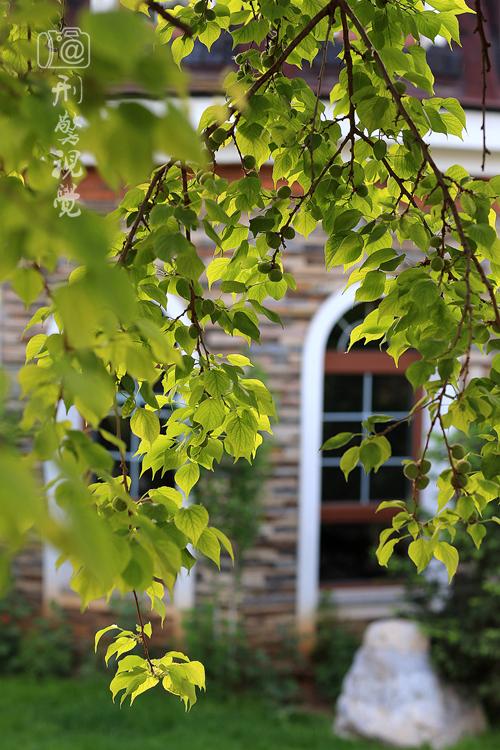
pixel 356 602
pixel 56 579
pixel 311 427
pixel 101 6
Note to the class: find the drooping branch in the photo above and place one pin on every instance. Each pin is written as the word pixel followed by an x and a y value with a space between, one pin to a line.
pixel 328 10
pixel 156 180
pixel 426 154
pixel 169 17
pixel 485 69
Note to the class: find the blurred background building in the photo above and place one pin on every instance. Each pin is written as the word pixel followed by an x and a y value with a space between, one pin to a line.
pixel 316 533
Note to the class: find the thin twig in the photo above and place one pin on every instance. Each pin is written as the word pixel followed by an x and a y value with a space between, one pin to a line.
pixel 172 20
pixel 143 634
pixel 485 69
pixel 426 155
pixel 157 178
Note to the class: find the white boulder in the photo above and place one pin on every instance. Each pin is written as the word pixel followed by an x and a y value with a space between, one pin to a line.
pixel 393 694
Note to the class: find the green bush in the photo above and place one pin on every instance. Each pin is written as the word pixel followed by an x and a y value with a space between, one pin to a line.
pixel 233 664
pixel 39 646
pixel 333 653
pixel 14 614
pixel 463 620
pixel 46 649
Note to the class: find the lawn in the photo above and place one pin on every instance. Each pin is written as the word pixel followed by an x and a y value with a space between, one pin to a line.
pixel 79 715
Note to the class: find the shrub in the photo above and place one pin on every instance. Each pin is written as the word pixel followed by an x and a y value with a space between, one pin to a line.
pixel 333 653
pixel 463 620
pixel 233 664
pixel 14 614
pixel 46 648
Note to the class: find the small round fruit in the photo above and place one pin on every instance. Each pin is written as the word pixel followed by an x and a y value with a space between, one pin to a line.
pixel 437 264
pixel 249 161
pixel 275 274
pixel 288 233
pixel 219 136
pixel 210 15
pixel 265 267
pixel 200 6
pixel 284 192
pixel 400 87
pixel 362 190
pixel 425 466
pixel 457 451
pixel 422 482
pixel 379 149
pixel 459 481
pixel 411 471
pixel 193 331
pixel 119 504
pixel 435 242
pixel 273 240
pixel 464 466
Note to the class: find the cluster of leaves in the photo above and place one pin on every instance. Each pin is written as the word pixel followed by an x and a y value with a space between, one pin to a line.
pixel 359 168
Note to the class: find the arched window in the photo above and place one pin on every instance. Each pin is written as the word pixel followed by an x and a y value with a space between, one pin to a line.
pixel 358 384
pixel 337 524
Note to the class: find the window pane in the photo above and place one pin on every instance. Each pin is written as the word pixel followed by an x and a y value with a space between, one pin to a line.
pixel 347 553
pixel 339 337
pixel 109 424
pixel 333 428
pixel 334 487
pixel 389 483
pixel 146 481
pixel 400 439
pixel 343 392
pixel 391 393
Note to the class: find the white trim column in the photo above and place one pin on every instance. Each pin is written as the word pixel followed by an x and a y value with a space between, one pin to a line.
pixel 311 399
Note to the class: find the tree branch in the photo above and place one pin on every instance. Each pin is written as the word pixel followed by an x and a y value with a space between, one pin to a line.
pixel 155 181
pixel 425 153
pixel 275 67
pixel 171 19
pixel 485 69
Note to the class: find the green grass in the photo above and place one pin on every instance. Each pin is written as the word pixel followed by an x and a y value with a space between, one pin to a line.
pixel 79 715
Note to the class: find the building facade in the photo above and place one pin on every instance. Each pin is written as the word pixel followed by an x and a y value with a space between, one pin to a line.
pixel 317 532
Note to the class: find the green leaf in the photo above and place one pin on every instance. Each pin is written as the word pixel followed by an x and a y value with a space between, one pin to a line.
pixel 241 431
pixel 477 532
pixel 192 521
pixel 27 284
pixel 145 424
pixel 372 287
pixel 420 552
pixel 187 476
pixel 102 632
pixel 210 413
pixel 385 551
pixel 448 555
pixel 337 441
pixel 243 323
pixel 208 544
pixel 349 460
